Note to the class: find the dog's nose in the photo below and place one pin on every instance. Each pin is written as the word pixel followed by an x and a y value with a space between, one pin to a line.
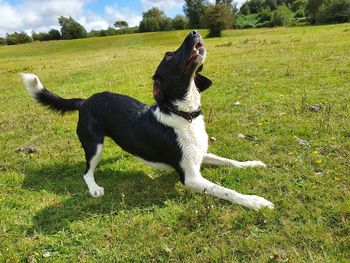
pixel 194 32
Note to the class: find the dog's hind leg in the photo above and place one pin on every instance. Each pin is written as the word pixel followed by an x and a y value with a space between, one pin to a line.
pixel 213 159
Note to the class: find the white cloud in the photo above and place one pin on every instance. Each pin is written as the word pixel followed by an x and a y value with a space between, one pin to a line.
pixel 41 15
pixel 92 21
pixel 36 15
pixel 113 13
pixel 165 5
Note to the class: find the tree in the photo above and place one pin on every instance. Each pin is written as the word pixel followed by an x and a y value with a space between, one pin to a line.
pixel 2 41
pixel 71 29
pixel 312 8
pixel 121 24
pixel 298 5
pixel 328 11
pixel 264 15
pixel 225 2
pixel 230 3
pixel 54 34
pixel 180 22
pixel 194 9
pixel 149 25
pixel 39 36
pixel 336 11
pixel 155 20
pixel 282 16
pixel 18 38
pixel 217 18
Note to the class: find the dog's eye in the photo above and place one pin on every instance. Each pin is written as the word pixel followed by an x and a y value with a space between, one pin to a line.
pixel 156 79
pixel 169 55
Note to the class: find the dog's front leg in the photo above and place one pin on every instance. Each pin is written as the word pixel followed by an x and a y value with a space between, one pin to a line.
pixel 195 181
pixel 213 159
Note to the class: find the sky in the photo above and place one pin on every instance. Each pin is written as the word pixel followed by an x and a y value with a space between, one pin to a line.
pixel 41 15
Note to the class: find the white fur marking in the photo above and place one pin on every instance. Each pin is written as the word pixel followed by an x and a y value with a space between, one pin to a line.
pixel 32 83
pixel 213 159
pixel 94 189
pixel 161 166
pixel 199 184
pixel 191 101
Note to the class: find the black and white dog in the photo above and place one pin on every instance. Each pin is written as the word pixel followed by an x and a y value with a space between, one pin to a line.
pixel 170 133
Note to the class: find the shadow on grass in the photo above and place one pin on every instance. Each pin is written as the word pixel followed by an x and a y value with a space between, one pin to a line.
pixel 124 190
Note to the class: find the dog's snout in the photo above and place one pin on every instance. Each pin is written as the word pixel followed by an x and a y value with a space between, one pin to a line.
pixel 194 33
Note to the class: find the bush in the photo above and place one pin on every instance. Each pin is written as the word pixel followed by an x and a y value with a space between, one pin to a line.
pixel 282 16
pixel 265 15
pixel 2 41
pixel 217 18
pixel 18 38
pixel 299 14
pixel 166 24
pixel 54 34
pixel 264 24
pixel 180 22
pixel 248 21
pixel 111 32
pixel 40 36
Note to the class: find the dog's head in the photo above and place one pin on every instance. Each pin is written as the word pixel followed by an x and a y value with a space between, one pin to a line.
pixel 179 69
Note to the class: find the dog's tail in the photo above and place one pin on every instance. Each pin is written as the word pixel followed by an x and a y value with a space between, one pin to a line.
pixel 36 89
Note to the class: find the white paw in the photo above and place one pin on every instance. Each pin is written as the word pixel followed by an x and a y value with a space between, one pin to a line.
pixel 257 202
pixel 97 191
pixel 255 163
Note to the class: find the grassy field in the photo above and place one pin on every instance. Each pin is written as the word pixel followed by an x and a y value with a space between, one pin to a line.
pixel 277 75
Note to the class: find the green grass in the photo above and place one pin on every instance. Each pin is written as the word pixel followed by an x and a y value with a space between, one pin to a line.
pixel 46 213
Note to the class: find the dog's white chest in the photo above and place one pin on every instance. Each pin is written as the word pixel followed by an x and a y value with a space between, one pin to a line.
pixel 193 140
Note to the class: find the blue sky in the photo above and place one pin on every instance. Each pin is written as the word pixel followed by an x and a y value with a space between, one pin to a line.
pixel 38 15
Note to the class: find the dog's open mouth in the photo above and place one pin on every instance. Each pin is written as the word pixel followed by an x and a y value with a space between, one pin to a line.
pixel 197 54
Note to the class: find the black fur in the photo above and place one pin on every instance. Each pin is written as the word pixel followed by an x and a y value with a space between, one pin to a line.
pixel 202 83
pixel 57 103
pixel 131 124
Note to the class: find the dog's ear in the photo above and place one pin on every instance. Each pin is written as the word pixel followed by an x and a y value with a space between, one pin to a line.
pixel 202 83
pixel 157 91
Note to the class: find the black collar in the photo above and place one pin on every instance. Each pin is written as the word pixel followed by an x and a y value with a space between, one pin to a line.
pixel 189 116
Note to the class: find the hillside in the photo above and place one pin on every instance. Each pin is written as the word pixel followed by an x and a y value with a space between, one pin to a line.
pixel 279 76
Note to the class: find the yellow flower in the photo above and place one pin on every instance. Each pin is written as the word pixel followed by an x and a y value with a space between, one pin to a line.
pixel 333 138
pixel 315 152
pixel 260 123
pixel 318 161
pixel 291 153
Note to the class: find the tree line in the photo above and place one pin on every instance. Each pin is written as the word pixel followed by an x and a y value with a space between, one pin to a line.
pixel 223 14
